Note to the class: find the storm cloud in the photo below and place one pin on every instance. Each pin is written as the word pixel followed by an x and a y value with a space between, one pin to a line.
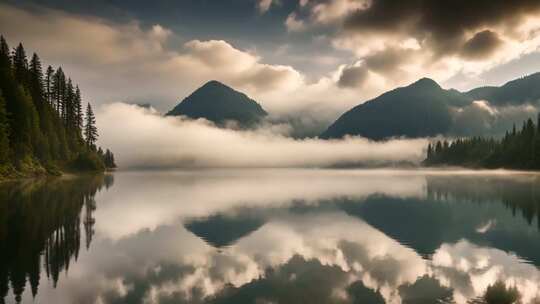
pixel 442 24
pixel 483 44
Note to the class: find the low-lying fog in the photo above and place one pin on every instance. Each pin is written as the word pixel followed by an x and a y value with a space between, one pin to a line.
pixel 142 138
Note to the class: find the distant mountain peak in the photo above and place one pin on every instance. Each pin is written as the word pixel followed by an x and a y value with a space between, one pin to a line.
pixel 220 104
pixel 424 109
pixel 425 83
pixel 215 83
pixel 420 109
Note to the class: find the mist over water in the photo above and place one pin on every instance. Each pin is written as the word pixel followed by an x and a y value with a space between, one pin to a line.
pixel 141 138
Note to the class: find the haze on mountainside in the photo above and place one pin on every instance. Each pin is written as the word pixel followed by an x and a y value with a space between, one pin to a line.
pixel 424 109
pixel 421 109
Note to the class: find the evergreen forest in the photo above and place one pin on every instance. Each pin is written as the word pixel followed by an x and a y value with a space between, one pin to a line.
pixel 518 149
pixel 44 127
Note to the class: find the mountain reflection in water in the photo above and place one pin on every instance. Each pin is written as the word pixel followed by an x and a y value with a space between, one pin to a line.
pixel 270 236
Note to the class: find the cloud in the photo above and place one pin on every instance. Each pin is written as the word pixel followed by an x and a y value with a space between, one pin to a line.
pixel 125 61
pixel 293 24
pixel 353 76
pixel 483 118
pixel 239 68
pixel 470 269
pixel 264 5
pixel 150 140
pixel 481 45
pixel 387 60
pixel 331 11
pixel 408 40
pixel 440 24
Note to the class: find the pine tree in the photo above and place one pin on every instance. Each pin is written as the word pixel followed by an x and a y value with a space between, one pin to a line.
pixel 5 60
pixel 112 161
pixel 78 110
pixel 69 109
pixel 90 130
pixel 36 86
pixel 49 75
pixel 36 80
pixel 109 159
pixel 20 64
pixel 59 81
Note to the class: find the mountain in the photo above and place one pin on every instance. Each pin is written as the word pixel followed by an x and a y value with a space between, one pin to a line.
pixel 219 103
pixel 515 92
pixel 418 110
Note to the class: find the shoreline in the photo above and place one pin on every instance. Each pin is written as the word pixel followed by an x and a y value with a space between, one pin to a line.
pixel 62 175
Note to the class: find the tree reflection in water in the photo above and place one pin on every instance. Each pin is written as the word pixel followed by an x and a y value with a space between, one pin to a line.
pixel 40 226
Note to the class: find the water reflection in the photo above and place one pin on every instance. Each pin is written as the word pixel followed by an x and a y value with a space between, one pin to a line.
pixel 222 230
pixel 289 236
pixel 40 229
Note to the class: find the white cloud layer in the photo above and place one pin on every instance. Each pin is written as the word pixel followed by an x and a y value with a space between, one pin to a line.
pixel 143 138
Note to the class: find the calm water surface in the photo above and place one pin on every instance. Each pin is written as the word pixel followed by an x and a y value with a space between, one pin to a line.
pixel 270 236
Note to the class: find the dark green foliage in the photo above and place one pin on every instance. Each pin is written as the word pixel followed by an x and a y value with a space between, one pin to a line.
pixel 40 118
pixel 108 159
pixel 20 64
pixel 90 130
pixel 87 161
pixel 78 109
pixel 418 110
pixel 219 103
pixel 49 74
pixel 516 150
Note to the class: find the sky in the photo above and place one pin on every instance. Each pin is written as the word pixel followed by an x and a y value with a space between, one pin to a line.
pixel 292 56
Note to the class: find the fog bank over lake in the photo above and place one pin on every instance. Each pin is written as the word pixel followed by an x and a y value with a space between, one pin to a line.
pixel 141 138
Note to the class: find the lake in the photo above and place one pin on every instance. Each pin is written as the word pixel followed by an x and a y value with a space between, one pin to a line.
pixel 270 236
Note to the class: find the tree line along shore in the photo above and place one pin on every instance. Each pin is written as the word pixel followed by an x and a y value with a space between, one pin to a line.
pixel 44 127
